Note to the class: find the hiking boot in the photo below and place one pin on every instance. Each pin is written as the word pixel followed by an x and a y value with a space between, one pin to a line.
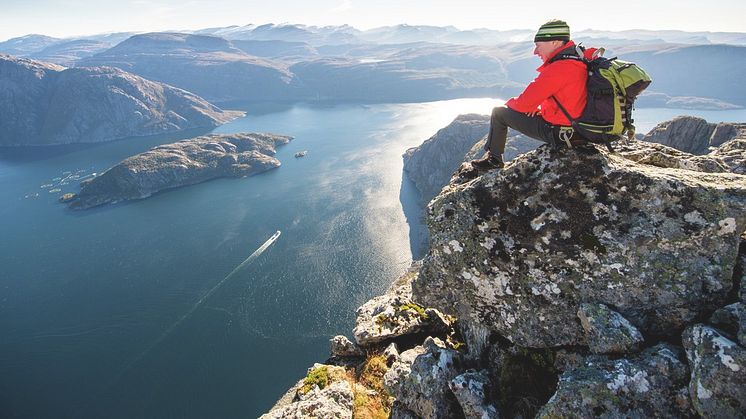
pixel 465 173
pixel 488 162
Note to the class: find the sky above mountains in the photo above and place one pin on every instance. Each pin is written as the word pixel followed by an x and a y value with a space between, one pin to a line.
pixel 64 18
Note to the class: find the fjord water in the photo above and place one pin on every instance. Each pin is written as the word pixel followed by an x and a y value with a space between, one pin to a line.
pixel 85 297
pixel 92 302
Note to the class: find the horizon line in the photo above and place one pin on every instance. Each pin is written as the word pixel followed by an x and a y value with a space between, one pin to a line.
pixel 187 30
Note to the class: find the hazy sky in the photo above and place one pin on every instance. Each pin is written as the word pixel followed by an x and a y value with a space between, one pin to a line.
pixel 63 18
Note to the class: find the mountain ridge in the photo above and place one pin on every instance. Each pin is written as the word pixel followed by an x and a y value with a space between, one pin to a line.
pixel 108 104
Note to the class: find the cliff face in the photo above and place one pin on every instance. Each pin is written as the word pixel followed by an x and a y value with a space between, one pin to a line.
pixel 182 163
pixel 694 135
pixel 571 283
pixel 42 104
pixel 431 164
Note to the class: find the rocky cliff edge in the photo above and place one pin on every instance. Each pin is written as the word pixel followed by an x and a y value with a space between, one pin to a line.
pixel 571 283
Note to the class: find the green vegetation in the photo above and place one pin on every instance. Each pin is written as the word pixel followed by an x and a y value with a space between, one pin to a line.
pixel 403 311
pixel 381 319
pixel 318 376
pixel 375 404
pixel 370 398
pixel 413 307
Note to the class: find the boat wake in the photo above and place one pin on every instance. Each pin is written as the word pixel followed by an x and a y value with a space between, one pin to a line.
pixel 201 301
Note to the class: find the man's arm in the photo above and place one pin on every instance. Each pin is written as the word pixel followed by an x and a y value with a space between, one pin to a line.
pixel 541 88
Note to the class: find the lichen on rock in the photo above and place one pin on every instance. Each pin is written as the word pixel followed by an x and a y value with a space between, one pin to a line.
pixel 395 314
pixel 628 387
pixel 607 331
pixel 419 379
pixel 554 229
pixel 471 390
pixel 718 379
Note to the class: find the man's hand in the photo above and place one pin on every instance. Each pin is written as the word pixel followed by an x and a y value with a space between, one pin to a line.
pixel 534 113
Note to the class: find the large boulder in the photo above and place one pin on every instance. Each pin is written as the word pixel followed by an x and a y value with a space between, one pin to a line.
pixel 471 390
pixel 659 155
pixel 395 314
pixel 694 135
pixel 419 380
pixel 718 380
pixel 644 386
pixel 516 251
pixel 732 320
pixel 607 331
pixel 340 346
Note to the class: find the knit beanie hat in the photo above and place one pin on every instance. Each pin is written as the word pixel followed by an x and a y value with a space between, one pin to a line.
pixel 554 30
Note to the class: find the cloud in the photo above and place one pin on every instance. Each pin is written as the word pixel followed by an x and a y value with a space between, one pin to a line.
pixel 344 6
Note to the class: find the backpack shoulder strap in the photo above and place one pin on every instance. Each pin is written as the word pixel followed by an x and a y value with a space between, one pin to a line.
pixel 569 53
pixel 575 124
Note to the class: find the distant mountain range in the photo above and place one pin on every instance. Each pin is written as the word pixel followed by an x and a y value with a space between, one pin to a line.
pixel 43 104
pixel 206 65
pixel 400 63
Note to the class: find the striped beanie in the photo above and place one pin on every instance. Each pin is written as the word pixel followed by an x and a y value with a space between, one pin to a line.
pixel 554 30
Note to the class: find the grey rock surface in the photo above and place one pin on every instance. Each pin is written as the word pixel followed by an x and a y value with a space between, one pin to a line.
pixel 733 154
pixel 471 389
pixel 391 353
pixel 419 380
pixel 333 401
pixel 182 163
pixel 739 273
pixel 341 346
pixel 718 373
pixel 43 104
pixel 662 156
pixel 731 319
pixel 607 331
pixel 725 131
pixel 516 250
pixel 395 314
pixel 694 135
pixel 638 387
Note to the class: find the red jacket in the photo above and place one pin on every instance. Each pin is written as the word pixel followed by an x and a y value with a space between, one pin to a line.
pixel 565 79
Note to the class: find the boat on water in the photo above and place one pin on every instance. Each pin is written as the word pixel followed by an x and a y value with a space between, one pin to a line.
pixel 275 236
pixel 301 153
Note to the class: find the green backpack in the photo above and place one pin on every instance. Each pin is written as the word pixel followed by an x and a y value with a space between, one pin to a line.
pixel 613 85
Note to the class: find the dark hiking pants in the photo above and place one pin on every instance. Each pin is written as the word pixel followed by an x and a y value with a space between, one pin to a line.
pixel 503 117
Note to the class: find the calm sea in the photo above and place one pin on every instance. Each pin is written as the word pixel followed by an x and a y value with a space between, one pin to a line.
pixel 103 313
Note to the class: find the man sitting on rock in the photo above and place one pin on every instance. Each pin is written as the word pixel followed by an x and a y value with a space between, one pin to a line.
pixel 534 112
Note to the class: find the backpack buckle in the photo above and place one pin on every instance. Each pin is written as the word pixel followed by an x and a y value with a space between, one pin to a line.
pixel 566 134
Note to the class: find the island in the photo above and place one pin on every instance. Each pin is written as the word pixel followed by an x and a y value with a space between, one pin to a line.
pixel 182 163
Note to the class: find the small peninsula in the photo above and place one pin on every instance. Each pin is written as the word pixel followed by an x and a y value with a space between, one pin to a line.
pixel 181 163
